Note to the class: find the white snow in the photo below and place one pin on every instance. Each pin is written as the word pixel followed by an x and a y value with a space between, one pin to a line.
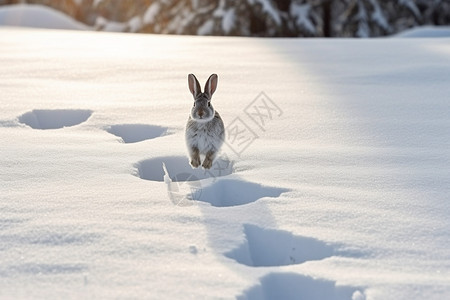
pixel 151 13
pixel 301 13
pixel 135 24
pixel 228 20
pixel 426 32
pixel 411 6
pixel 206 28
pixel 110 26
pixel 378 17
pixel 38 16
pixel 268 7
pixel 361 17
pixel 334 183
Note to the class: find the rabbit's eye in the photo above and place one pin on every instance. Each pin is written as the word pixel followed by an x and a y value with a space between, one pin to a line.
pixel 194 104
pixel 209 104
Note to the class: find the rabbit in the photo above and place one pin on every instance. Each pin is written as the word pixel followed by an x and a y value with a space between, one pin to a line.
pixel 204 130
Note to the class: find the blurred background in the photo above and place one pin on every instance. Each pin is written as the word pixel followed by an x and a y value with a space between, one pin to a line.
pixel 263 18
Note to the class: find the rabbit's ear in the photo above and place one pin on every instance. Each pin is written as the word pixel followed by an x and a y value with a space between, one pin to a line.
pixel 211 85
pixel 194 86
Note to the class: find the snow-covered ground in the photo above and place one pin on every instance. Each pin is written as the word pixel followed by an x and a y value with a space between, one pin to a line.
pixel 426 31
pixel 334 183
pixel 37 16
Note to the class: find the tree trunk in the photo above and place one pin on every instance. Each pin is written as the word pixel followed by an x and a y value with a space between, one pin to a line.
pixel 326 6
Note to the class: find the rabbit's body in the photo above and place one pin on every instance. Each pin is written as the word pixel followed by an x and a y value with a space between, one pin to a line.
pixel 205 136
pixel 205 131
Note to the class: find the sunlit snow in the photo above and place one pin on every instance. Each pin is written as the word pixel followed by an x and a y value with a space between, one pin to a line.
pixel 333 182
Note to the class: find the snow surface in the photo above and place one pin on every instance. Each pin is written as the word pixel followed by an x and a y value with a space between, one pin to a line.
pixel 337 189
pixel 426 31
pixel 37 16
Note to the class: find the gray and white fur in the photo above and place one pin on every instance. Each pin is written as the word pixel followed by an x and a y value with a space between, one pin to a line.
pixel 205 131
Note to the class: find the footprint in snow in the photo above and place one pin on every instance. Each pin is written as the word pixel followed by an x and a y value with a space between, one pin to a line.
pixel 54 119
pixel 133 133
pixel 290 286
pixel 180 170
pixel 234 192
pixel 218 192
pixel 267 247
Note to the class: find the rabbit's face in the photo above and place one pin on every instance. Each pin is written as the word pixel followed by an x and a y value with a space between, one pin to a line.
pixel 202 110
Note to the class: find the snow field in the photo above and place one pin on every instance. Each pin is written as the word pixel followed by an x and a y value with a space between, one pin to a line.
pixel 342 193
pixel 37 16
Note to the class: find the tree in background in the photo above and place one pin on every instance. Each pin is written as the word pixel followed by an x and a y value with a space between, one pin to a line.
pixel 268 18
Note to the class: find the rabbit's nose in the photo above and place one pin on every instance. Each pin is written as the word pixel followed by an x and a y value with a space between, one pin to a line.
pixel 200 113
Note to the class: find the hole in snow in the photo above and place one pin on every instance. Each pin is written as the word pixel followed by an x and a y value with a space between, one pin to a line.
pixel 179 169
pixel 267 247
pixel 133 133
pixel 231 192
pixel 290 286
pixel 54 119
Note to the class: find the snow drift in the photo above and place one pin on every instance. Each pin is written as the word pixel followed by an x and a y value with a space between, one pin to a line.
pixel 37 16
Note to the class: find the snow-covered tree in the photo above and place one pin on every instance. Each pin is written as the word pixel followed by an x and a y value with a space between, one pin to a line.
pixel 267 18
pixel 436 12
pixel 362 18
pixel 306 18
